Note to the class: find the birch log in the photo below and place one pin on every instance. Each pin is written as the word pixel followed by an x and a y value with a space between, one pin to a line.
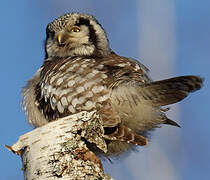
pixel 58 151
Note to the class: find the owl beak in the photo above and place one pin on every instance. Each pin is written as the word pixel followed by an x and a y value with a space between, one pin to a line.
pixel 59 39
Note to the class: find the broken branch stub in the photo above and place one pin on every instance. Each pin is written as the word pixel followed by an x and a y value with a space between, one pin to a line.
pixel 57 151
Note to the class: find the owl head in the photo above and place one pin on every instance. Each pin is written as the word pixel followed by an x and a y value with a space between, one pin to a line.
pixel 75 34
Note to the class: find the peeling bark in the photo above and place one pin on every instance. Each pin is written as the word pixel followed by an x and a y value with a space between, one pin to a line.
pixel 57 150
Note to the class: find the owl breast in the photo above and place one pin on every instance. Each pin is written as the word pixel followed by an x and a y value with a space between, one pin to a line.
pixel 71 85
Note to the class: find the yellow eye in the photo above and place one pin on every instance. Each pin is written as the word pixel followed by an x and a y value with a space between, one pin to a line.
pixel 75 29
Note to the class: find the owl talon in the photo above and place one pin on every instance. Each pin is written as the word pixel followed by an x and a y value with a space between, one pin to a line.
pixel 124 134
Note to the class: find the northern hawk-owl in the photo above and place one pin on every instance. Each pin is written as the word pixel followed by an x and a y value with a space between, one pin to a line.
pixel 81 73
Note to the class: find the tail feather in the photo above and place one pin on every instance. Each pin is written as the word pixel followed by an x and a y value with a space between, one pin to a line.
pixel 172 123
pixel 169 91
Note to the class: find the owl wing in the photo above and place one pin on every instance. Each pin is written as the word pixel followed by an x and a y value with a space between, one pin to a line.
pixel 134 75
pixel 138 100
pixel 123 73
pixel 69 86
pixel 115 86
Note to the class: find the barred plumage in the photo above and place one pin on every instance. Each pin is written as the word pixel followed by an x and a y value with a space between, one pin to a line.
pixel 81 73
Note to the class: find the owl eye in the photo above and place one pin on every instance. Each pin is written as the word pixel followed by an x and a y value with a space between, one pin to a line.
pixel 75 29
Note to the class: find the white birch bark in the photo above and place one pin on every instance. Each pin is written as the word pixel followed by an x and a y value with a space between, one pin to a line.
pixel 57 150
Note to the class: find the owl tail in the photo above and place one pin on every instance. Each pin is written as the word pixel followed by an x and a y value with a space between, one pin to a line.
pixel 124 134
pixel 169 91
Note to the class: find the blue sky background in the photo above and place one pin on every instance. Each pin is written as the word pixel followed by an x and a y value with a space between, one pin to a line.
pixel 22 33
